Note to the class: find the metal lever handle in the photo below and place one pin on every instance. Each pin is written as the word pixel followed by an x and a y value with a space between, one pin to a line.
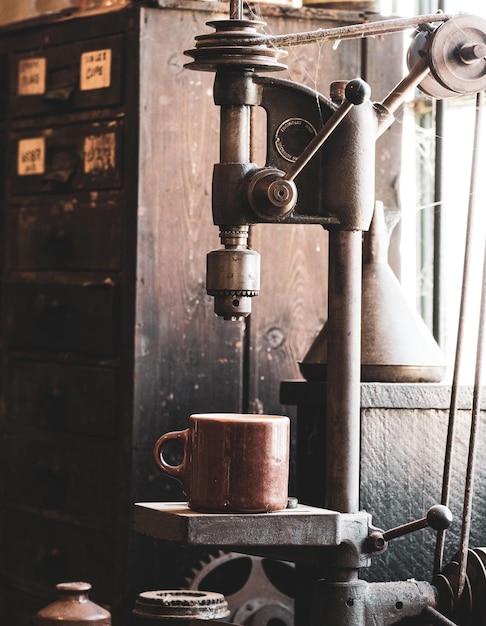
pixel 272 194
pixel 357 91
pixel 438 517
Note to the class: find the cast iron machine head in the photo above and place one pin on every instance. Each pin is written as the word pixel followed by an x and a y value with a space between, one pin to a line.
pixel 319 169
pixel 319 164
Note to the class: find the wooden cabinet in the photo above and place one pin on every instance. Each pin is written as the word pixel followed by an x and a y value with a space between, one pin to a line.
pixel 108 338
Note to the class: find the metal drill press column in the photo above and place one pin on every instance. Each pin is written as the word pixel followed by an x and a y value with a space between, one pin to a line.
pixel 343 378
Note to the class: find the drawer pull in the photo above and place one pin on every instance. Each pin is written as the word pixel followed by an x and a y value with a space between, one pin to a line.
pixel 61 94
pixel 50 397
pixel 43 306
pixel 58 236
pixel 52 480
pixel 61 176
pixel 53 561
pixel 54 403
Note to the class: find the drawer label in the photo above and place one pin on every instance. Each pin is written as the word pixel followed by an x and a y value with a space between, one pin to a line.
pixel 32 77
pixel 99 153
pixel 95 71
pixel 31 156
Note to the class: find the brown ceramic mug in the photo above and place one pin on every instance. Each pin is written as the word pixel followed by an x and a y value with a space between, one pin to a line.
pixel 232 462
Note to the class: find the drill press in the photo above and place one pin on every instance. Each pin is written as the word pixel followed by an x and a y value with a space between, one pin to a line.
pixel 320 170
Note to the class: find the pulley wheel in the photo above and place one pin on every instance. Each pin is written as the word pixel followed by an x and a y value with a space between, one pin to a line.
pixel 235 44
pixel 457 54
pixel 429 85
pixel 471 607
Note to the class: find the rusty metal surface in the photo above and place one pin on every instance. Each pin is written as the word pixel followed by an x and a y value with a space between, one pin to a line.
pixel 177 604
pixel 342 409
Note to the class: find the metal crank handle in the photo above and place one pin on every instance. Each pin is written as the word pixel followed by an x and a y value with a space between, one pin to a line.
pixel 438 517
pixel 357 92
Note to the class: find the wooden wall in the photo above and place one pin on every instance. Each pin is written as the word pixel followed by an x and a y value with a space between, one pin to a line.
pixel 205 363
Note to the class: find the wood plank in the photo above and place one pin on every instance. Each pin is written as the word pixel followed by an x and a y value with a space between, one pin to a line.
pixel 187 360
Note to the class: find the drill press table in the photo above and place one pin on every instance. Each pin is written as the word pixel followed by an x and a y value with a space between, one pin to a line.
pixel 294 534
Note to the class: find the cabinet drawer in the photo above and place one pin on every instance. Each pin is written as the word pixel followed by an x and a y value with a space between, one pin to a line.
pixel 65 235
pixel 62 397
pixel 66 78
pixel 76 317
pixel 40 553
pixel 72 476
pixel 79 157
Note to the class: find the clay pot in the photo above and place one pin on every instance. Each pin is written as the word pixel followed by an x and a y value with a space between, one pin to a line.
pixel 73 608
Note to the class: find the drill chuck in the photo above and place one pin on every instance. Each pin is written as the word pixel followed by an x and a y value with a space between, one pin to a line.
pixel 233 278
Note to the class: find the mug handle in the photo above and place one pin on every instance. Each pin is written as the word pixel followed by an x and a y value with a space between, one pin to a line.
pixel 177 471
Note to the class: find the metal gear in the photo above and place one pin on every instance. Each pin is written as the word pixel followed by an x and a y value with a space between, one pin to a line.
pixel 258 591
